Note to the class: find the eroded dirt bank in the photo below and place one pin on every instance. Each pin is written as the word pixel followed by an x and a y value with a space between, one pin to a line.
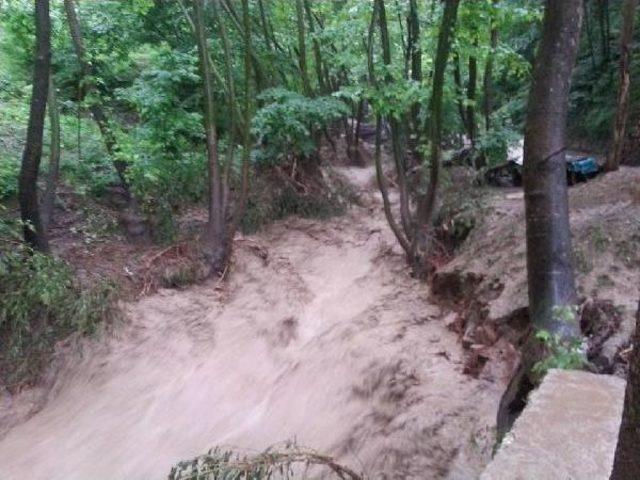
pixel 321 336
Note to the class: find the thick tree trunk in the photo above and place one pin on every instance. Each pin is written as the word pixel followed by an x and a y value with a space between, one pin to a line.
pixel 626 465
pixel 426 202
pixel 34 233
pixel 549 266
pixel 217 242
pixel 49 197
pixel 619 130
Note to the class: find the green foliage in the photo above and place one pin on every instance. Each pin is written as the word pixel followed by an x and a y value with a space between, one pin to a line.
pixel 286 125
pixel 562 353
pixel 40 303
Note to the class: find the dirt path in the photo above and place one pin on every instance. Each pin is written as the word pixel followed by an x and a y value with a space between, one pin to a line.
pixel 328 342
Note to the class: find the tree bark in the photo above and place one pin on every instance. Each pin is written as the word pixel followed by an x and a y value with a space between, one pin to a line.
pixel 488 73
pixel 302 49
pixel 549 266
pixel 471 95
pixel 49 197
pixel 603 17
pixel 626 464
pixel 622 111
pixel 34 233
pixel 589 31
pixel 426 202
pixel 414 53
pixel 457 79
pixel 317 53
pixel 217 241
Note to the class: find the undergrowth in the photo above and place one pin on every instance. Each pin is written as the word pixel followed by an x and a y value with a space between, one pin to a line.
pixel 272 199
pixel 42 302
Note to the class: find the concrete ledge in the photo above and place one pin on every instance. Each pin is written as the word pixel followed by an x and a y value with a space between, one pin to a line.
pixel 568 431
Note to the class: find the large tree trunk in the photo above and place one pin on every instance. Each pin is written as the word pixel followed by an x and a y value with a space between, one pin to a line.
pixel 426 202
pixel 49 197
pixel 619 130
pixel 217 241
pixel 549 266
pixel 34 233
pixel 133 221
pixel 626 465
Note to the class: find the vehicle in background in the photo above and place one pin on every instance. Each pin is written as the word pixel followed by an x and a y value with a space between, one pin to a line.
pixel 580 168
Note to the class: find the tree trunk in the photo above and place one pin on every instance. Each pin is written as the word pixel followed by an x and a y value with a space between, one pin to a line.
pixel 34 233
pixel 471 95
pixel 426 202
pixel 317 53
pixel 619 130
pixel 49 197
pixel 133 220
pixel 488 72
pixel 246 134
pixel 397 135
pixel 217 244
pixel 603 17
pixel 457 79
pixel 302 49
pixel 589 30
pixel 549 266
pixel 626 464
pixel 414 53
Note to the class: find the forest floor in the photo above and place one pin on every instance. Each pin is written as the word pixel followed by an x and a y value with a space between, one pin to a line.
pixel 318 336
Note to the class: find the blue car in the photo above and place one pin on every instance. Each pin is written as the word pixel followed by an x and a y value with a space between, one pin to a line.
pixel 581 169
pixel 509 174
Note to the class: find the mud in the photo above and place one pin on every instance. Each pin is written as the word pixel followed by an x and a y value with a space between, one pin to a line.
pixel 322 338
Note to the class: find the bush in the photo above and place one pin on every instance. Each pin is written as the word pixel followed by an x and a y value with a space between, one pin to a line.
pixel 41 302
pixel 286 126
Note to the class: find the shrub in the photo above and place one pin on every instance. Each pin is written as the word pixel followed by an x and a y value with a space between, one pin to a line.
pixel 42 302
pixel 286 126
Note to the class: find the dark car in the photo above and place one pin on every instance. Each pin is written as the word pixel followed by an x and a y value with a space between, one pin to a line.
pixel 509 174
pixel 581 169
